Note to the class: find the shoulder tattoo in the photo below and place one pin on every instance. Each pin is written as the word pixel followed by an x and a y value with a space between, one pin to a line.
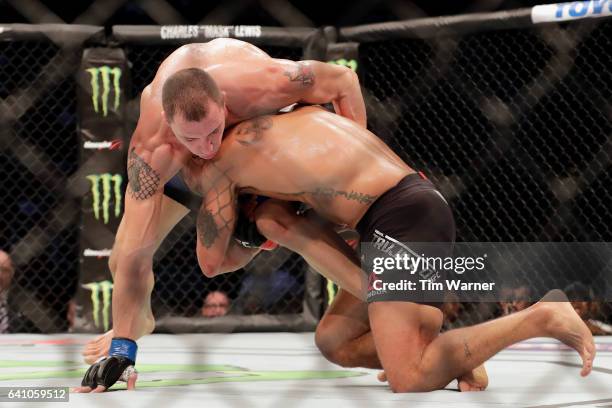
pixel 251 131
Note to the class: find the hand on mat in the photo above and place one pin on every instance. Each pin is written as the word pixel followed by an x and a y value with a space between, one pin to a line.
pixel 98 347
pixel 119 366
pixel 106 372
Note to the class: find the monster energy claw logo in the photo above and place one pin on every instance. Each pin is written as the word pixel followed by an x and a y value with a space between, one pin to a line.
pixel 104 287
pixel 351 63
pixel 104 73
pixel 105 180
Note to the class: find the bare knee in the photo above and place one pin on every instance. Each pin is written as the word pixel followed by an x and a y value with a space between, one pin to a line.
pixel 333 349
pixel 324 340
pixel 408 381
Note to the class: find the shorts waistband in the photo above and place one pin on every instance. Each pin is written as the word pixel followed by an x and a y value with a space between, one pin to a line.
pixel 405 182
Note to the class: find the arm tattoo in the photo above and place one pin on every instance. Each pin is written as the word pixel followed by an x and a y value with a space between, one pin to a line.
pixel 207 228
pixel 349 195
pixel 330 193
pixel 253 130
pixel 466 349
pixel 303 73
pixel 221 197
pixel 143 180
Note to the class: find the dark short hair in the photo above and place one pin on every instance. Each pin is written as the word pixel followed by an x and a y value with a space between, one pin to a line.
pixel 189 91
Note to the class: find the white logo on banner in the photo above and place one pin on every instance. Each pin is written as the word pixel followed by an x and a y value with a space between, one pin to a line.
pixel 208 31
pixel 571 11
pixel 97 253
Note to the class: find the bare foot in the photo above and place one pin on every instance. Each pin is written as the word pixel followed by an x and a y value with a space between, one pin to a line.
pixel 564 324
pixel 97 347
pixel 475 380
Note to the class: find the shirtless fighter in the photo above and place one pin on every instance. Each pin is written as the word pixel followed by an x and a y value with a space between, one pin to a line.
pixel 347 175
pixel 243 82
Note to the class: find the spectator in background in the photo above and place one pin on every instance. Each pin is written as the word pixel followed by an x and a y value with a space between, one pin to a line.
pixel 579 295
pixel 6 276
pixel 452 310
pixel 519 299
pixel 274 292
pixel 216 304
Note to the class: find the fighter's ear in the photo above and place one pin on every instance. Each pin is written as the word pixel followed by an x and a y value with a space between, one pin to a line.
pixel 163 114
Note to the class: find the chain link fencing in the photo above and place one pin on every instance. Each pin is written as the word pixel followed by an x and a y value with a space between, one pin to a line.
pixel 512 125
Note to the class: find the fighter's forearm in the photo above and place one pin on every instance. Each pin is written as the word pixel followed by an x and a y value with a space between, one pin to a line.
pixel 335 260
pixel 326 252
pixel 133 284
pixel 339 85
pixel 149 325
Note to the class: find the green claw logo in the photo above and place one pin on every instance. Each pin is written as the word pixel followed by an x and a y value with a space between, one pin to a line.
pixel 352 64
pixel 105 73
pixel 105 180
pixel 105 288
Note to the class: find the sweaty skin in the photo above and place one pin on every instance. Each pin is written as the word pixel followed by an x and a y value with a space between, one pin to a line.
pixel 340 175
pixel 339 170
pixel 252 84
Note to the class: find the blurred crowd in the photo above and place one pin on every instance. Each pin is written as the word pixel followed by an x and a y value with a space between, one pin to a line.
pixel 281 291
pixel 596 314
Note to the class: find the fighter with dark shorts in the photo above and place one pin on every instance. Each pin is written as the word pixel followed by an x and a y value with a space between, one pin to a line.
pixel 350 177
pixel 402 221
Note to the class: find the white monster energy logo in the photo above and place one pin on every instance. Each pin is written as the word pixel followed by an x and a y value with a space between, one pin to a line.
pixel 105 72
pixel 104 181
pixel 105 288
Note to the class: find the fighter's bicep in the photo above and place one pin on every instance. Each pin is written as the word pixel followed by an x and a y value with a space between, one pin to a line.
pixel 296 74
pixel 139 229
pixel 143 180
pixel 147 172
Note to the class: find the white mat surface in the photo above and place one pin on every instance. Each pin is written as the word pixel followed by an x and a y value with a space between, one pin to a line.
pixel 286 370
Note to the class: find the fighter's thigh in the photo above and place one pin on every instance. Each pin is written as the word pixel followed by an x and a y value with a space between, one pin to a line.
pixel 171 213
pixel 401 331
pixel 345 319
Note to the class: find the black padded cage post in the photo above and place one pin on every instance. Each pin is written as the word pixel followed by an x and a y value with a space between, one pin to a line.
pixel 39 158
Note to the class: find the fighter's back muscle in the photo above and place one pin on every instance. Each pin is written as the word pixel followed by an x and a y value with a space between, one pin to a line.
pixel 327 148
pixel 311 156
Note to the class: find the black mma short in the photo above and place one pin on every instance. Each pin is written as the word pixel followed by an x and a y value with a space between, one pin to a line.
pixel 412 212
